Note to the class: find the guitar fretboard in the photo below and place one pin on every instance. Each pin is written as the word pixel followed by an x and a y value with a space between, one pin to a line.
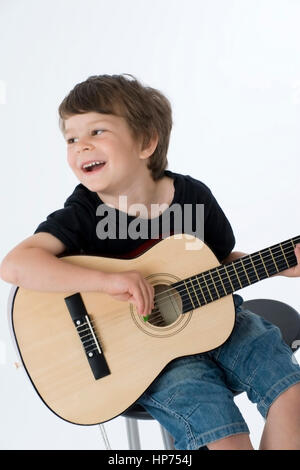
pixel 225 279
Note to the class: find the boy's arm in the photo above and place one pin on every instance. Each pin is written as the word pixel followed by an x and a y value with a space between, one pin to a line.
pixel 291 272
pixel 33 264
pixel 233 256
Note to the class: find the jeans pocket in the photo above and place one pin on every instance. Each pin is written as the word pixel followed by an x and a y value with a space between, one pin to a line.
pixel 238 301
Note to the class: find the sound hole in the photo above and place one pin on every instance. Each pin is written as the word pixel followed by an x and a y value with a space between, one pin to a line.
pixel 167 306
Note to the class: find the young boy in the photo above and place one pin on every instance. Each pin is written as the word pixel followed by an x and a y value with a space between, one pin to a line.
pixel 117 133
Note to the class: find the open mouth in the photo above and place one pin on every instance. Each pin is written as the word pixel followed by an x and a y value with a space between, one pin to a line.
pixel 92 167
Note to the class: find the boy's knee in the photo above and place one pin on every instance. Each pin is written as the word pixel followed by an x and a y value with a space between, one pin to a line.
pixel 289 399
pixel 235 442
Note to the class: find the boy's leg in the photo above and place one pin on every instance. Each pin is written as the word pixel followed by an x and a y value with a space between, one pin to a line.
pixel 192 401
pixel 282 428
pixel 236 442
pixel 281 431
pixel 257 360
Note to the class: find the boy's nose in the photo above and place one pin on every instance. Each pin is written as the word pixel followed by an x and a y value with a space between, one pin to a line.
pixel 83 146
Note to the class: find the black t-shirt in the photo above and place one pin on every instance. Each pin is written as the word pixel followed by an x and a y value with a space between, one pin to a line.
pixel 86 225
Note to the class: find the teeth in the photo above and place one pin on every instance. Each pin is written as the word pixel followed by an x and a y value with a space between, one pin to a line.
pixel 88 165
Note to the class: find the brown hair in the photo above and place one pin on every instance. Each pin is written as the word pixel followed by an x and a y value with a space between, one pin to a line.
pixel 146 110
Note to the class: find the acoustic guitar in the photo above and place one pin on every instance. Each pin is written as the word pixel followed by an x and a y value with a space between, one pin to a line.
pixel 90 357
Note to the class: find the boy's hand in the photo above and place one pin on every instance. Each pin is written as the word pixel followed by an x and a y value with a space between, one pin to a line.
pixel 295 270
pixel 130 286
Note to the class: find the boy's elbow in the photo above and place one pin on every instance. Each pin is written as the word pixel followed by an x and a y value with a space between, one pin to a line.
pixel 8 271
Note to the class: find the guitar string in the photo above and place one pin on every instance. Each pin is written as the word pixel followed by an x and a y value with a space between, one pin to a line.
pixel 287 253
pixel 154 322
pixel 157 312
pixel 245 263
pixel 210 283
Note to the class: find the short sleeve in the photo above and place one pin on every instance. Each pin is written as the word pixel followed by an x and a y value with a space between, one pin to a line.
pixel 218 233
pixel 73 224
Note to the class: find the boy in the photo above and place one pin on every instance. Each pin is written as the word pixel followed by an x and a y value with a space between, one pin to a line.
pixel 117 133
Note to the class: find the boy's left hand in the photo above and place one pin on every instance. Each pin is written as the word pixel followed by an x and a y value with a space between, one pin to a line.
pixel 295 270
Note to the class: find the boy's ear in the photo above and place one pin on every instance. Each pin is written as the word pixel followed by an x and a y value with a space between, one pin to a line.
pixel 149 147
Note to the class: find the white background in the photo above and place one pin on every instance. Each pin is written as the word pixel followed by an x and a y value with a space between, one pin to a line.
pixel 231 69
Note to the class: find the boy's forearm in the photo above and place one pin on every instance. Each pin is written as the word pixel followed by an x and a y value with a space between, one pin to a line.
pixel 233 256
pixel 40 270
pixel 238 254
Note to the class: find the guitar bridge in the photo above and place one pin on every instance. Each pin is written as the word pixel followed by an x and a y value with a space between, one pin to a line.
pixel 87 335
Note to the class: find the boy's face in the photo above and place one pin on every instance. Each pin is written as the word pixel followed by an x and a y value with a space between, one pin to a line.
pixel 99 137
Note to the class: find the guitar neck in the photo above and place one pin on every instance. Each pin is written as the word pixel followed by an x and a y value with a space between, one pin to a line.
pixel 225 279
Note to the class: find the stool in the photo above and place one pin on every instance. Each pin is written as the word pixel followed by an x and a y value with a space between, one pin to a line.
pixel 132 415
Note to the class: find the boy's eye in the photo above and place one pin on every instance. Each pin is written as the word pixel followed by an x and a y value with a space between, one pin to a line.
pixel 69 141
pixel 97 130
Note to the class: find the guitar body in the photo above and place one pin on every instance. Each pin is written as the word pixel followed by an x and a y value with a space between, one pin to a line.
pixel 135 351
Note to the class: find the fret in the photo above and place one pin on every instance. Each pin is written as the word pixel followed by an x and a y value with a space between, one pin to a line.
pixel 219 282
pixel 235 267
pixel 265 268
pixel 227 277
pixel 242 275
pixel 276 262
pixel 253 275
pixel 205 289
pixel 233 277
pixel 237 275
pixel 188 291
pixel 270 250
pixel 203 277
pixel 245 271
pixel 215 287
pixel 286 261
pixel 289 251
pixel 212 289
pixel 196 296
pixel 269 261
pixel 254 268
pixel 201 290
pixel 281 261
pixel 242 264
pixel 262 267
pixel 279 255
pixel 284 255
pixel 223 280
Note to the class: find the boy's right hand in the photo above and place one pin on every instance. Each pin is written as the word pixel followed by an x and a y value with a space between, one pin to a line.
pixel 132 287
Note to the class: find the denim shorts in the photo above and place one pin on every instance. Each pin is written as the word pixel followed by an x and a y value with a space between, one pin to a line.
pixel 193 396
